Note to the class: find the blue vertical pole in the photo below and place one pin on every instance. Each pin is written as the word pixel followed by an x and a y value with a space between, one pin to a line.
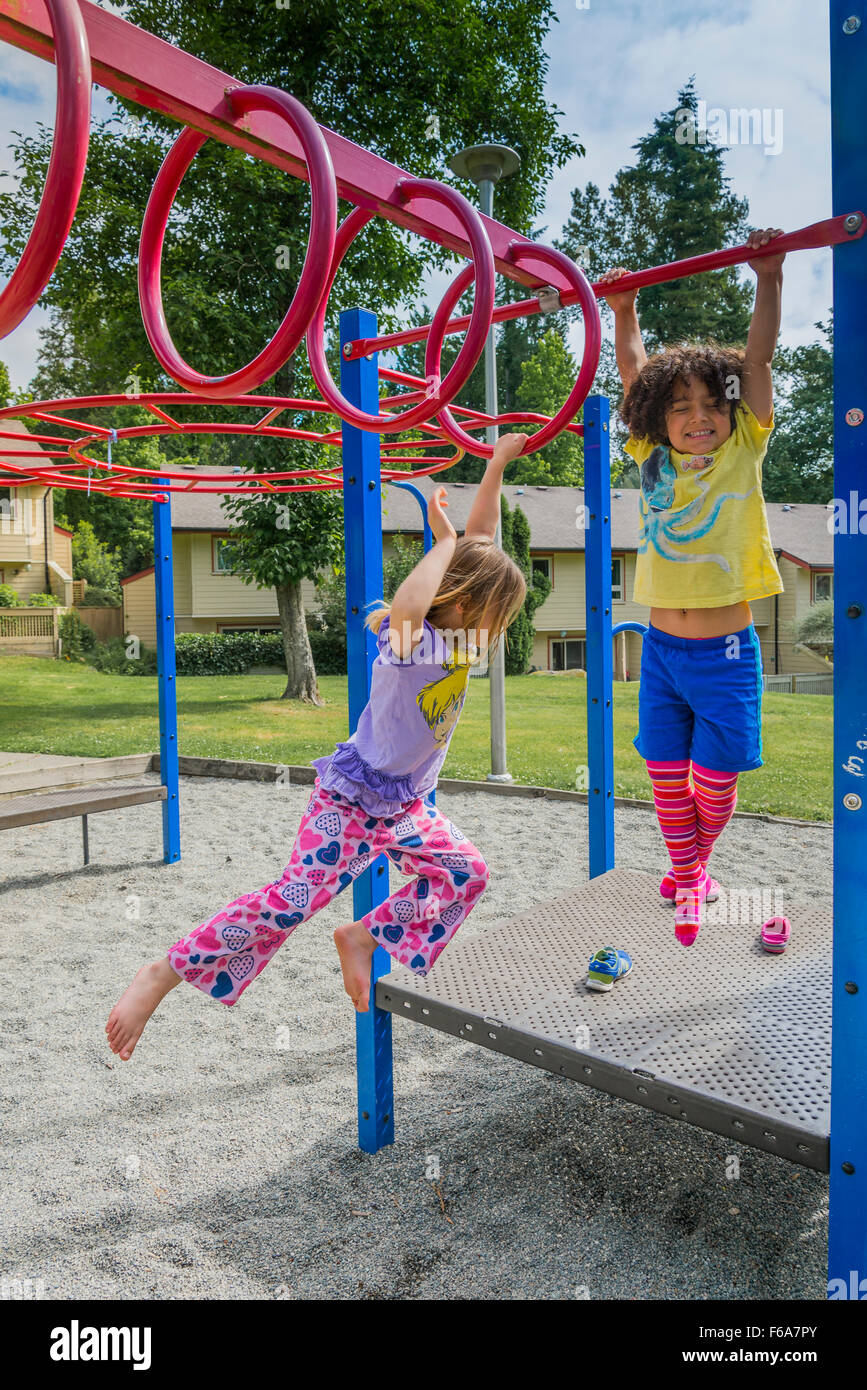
pixel 847 1250
pixel 362 521
pixel 166 678
pixel 597 603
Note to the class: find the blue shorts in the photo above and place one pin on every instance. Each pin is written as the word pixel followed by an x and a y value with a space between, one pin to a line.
pixel 701 698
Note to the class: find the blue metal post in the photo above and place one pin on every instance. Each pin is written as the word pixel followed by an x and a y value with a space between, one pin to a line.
pixel 166 679
pixel 362 521
pixel 597 602
pixel 847 1253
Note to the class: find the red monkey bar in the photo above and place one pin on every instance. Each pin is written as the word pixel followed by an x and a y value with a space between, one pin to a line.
pixel 849 227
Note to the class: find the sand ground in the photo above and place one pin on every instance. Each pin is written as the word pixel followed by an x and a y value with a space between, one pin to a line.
pixel 221 1161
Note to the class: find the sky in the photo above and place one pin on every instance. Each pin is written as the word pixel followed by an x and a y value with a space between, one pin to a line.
pixel 614 65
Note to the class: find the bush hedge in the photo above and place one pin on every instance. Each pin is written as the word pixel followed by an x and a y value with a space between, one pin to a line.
pixel 199 653
pixel 226 653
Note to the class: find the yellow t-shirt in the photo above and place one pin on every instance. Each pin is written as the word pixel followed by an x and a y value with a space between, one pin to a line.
pixel 704 540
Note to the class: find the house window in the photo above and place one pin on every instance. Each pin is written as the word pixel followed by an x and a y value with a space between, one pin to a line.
pixel 543 564
pixel 221 555
pixel 569 655
pixel 617 578
pixel 823 586
pixel 7 506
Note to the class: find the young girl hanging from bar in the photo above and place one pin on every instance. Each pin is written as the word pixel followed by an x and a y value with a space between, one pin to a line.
pixel 699 418
pixel 368 795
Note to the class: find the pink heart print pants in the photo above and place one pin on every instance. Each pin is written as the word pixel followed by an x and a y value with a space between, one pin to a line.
pixel 336 841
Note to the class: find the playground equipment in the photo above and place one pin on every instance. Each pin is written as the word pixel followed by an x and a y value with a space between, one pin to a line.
pixel 83 472
pixel 503 992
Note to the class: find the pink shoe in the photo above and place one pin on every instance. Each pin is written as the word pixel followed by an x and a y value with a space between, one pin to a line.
pixel 775 935
pixel 668 889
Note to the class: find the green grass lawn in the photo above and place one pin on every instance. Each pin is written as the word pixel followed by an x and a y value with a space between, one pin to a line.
pixel 65 708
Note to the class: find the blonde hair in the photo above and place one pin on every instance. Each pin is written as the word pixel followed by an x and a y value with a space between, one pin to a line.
pixel 481 576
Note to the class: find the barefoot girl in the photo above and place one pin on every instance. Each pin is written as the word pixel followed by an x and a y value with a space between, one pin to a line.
pixel 699 419
pixel 368 795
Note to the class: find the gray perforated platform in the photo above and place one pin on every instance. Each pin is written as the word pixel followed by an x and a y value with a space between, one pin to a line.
pixel 721 1035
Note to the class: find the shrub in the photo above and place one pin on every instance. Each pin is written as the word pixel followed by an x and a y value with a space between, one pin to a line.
pixel 816 628
pixel 9 597
pixel 95 597
pixel 407 553
pixel 226 653
pixel 77 638
pixel 43 601
pixel 111 656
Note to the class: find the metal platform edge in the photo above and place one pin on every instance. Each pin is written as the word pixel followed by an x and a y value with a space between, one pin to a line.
pixel 649 1090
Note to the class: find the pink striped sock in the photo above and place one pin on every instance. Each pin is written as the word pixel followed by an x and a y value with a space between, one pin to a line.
pixel 675 810
pixel 715 797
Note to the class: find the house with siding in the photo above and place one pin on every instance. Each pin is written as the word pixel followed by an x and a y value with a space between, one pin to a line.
pixel 209 598
pixel 35 554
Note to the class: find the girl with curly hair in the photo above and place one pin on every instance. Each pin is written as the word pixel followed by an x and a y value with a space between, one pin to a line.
pixel 699 418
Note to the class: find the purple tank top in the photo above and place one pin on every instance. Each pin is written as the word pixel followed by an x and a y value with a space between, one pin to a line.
pixel 405 728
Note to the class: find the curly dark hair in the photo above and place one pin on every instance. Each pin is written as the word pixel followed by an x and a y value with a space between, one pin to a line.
pixel 650 396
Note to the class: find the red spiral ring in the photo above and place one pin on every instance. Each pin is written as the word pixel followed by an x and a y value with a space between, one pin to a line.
pixel 519 251
pixel 65 167
pixel 480 320
pixel 317 262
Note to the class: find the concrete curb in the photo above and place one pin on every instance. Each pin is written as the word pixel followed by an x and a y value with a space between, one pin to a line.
pixel 300 775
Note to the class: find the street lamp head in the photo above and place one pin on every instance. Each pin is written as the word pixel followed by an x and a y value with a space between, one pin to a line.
pixel 480 162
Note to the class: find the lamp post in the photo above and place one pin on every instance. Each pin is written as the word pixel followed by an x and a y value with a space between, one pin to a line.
pixel 486 165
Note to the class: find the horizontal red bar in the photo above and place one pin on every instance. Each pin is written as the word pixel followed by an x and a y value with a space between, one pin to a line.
pixel 829 233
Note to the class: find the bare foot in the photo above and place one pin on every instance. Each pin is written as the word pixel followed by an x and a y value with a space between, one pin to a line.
pixel 355 947
pixel 131 1012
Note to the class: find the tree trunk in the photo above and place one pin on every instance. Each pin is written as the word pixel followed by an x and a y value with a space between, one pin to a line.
pixel 301 683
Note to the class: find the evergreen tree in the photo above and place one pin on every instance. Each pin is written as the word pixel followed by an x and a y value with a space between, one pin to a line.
pixel 799 465
pixel 547 377
pixel 674 202
pixel 516 543
pixel 93 561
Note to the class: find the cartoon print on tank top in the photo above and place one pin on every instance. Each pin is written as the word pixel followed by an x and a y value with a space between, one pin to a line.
pixel 442 700
pixel 659 526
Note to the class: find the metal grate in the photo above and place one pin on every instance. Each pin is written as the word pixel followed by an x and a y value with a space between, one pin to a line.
pixel 721 1035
